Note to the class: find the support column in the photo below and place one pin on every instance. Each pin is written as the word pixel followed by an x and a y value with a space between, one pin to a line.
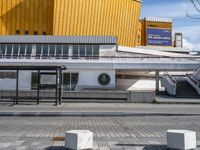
pixel 17 87
pixel 38 88
pixel 60 87
pixel 157 81
pixel 56 99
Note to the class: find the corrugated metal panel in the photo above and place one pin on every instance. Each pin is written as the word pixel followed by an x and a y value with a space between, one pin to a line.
pixel 59 39
pixel 157 19
pixel 72 18
pixel 98 17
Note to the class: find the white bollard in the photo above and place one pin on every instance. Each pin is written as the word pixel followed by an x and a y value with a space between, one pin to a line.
pixel 79 139
pixel 181 139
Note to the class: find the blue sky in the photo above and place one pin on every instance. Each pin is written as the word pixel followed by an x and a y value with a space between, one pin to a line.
pixel 176 9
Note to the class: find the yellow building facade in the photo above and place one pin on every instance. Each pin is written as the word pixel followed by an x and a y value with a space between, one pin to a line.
pixel 72 17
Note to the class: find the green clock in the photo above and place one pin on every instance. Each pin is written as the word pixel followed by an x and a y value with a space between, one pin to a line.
pixel 104 79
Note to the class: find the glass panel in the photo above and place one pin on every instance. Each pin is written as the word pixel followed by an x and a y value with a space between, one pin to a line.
pixel 75 51
pixel 58 51
pixel 65 51
pixel 34 80
pixel 9 51
pixel 3 49
pixel 96 51
pixel 45 51
pixel 22 50
pixel 52 51
pixel 74 81
pixel 82 50
pixel 66 81
pixel 38 50
pixel 88 51
pixel 15 50
pixel 28 50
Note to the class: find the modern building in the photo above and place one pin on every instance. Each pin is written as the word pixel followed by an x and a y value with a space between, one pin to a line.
pixel 72 18
pixel 81 45
pixel 156 32
pixel 53 48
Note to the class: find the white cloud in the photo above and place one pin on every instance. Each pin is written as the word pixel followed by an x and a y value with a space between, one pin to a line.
pixel 178 10
pixel 173 10
pixel 191 34
pixel 188 45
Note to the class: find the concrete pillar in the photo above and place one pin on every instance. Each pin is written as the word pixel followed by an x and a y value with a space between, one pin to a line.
pixel 157 81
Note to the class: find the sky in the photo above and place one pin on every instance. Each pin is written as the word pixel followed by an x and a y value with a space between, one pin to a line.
pixel 177 10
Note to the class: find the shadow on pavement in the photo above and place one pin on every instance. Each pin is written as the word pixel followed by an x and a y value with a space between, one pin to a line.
pixel 145 146
pixel 55 148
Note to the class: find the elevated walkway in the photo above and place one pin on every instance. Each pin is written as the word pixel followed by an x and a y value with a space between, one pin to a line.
pixel 122 63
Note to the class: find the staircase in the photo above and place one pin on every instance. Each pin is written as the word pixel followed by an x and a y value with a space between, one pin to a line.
pixel 185 90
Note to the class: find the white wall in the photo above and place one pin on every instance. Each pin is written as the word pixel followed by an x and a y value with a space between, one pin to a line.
pixel 107 50
pixel 89 79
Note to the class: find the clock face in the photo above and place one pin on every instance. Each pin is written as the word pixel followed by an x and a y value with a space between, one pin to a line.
pixel 104 79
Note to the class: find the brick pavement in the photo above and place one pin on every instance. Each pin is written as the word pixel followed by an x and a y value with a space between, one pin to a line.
pixel 117 133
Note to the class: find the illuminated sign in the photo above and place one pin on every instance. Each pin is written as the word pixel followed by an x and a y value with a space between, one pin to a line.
pixel 159 37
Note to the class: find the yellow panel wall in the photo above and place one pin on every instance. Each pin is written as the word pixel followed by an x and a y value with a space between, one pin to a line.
pixel 98 17
pixel 26 15
pixel 72 17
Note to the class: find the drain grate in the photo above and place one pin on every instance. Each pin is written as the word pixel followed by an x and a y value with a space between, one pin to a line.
pixel 59 138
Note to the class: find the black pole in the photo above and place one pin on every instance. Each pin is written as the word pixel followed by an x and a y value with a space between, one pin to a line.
pixel 60 87
pixel 56 100
pixel 38 87
pixel 17 87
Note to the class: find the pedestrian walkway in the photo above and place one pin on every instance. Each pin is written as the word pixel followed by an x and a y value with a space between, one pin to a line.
pixel 163 99
pixel 99 109
pixel 110 133
pixel 119 144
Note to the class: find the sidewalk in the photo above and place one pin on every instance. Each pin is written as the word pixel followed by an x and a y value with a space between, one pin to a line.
pixel 101 109
pixel 173 100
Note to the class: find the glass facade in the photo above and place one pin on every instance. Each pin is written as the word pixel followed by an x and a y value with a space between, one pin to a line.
pixel 69 81
pixel 45 51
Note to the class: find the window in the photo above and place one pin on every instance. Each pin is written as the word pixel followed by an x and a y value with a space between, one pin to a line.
pixel 22 50
pixel 65 51
pixel 9 51
pixel 34 80
pixel 38 50
pixel 88 51
pixel 52 51
pixel 9 75
pixel 15 50
pixel 58 51
pixel 82 50
pixel 45 51
pixel 74 81
pixel 96 51
pixel 2 50
pixel 75 51
pixel 66 82
pixel 28 51
pixel 70 81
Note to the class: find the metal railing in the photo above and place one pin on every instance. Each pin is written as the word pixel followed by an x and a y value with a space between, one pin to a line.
pixel 117 57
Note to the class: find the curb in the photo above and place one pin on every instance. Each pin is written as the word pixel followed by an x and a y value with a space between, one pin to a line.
pixel 86 114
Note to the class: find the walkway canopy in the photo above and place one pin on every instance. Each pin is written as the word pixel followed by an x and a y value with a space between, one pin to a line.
pixel 57 70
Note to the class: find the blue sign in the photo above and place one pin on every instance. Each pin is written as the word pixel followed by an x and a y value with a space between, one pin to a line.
pixel 159 37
